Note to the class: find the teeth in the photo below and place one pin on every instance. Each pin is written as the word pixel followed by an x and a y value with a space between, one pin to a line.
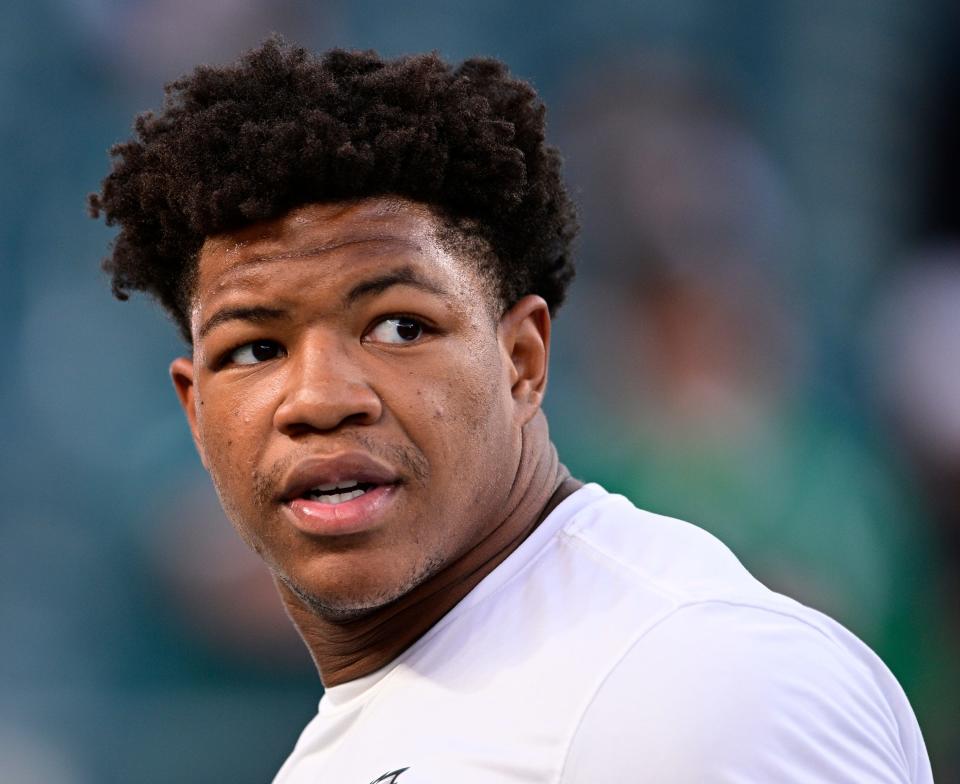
pixel 337 492
pixel 335 498
pixel 348 483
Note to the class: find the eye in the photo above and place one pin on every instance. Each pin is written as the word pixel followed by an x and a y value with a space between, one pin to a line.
pixel 255 352
pixel 396 330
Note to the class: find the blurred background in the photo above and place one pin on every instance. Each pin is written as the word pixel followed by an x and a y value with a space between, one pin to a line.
pixel 763 339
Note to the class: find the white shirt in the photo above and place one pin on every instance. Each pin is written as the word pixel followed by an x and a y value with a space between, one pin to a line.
pixel 612 646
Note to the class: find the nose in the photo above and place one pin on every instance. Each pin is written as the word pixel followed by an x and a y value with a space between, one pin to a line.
pixel 325 389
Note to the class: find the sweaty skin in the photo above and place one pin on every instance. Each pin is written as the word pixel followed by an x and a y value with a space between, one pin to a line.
pixel 345 341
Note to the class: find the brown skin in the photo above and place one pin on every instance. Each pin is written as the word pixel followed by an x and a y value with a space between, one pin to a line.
pixel 452 410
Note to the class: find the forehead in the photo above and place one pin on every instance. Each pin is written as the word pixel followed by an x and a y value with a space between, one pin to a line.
pixel 372 227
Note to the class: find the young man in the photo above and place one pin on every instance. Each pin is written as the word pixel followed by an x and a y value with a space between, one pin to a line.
pixel 364 257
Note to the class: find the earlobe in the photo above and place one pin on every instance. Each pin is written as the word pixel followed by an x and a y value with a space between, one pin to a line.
pixel 182 375
pixel 525 338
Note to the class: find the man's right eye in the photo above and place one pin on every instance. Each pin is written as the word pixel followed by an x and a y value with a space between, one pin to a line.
pixel 255 352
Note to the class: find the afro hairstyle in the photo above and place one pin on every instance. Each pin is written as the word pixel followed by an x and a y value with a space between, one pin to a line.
pixel 282 128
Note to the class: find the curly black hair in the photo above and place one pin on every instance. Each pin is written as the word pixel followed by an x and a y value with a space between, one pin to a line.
pixel 282 128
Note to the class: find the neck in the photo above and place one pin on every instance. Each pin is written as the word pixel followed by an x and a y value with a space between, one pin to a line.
pixel 350 649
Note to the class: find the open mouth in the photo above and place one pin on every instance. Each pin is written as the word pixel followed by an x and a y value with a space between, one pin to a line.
pixel 338 492
pixel 347 493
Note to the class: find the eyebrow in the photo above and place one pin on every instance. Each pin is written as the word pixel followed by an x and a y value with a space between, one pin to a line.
pixel 257 315
pixel 403 276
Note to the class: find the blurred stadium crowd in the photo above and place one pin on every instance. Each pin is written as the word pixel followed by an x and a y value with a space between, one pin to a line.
pixel 763 339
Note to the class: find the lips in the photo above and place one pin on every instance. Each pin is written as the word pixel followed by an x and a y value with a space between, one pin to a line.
pixel 338 495
pixel 325 475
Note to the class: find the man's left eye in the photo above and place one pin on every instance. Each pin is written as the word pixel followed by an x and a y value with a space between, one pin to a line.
pixel 396 330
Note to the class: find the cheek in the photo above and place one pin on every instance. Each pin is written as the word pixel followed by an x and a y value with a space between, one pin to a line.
pixel 234 425
pixel 426 395
pixel 465 414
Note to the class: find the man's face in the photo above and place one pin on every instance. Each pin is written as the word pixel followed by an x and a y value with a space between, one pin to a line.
pixel 354 396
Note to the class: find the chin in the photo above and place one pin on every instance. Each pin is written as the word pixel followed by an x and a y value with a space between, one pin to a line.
pixel 343 612
pixel 359 593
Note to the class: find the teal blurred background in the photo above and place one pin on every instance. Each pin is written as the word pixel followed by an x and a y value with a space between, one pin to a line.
pixel 763 339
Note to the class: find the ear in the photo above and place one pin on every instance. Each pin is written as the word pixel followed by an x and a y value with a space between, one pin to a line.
pixel 182 375
pixel 524 335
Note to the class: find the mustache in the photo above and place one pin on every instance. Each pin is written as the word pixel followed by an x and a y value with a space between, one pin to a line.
pixel 407 459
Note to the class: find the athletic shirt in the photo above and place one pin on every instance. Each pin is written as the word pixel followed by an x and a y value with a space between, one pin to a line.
pixel 614 645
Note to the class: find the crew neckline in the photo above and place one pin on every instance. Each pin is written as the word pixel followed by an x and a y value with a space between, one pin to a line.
pixel 344 695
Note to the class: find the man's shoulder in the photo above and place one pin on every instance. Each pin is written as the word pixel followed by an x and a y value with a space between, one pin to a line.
pixel 678 560
pixel 601 577
pixel 724 663
pixel 760 694
pixel 692 579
